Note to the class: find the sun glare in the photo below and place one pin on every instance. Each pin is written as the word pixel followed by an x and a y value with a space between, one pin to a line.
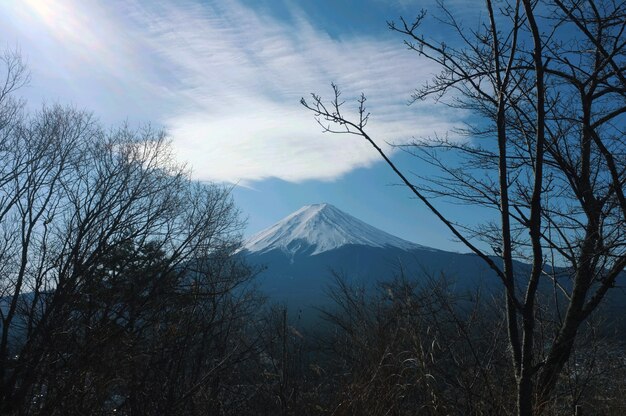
pixel 88 34
pixel 68 21
pixel 59 17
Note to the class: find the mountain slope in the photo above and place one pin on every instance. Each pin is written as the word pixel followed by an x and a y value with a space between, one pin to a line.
pixel 301 253
pixel 318 228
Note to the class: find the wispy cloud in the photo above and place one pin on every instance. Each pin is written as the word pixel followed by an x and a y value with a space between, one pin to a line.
pixel 226 81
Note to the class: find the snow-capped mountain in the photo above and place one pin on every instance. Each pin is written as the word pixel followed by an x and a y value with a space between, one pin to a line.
pixel 299 256
pixel 318 228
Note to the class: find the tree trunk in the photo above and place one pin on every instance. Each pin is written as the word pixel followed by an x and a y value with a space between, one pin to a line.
pixel 525 394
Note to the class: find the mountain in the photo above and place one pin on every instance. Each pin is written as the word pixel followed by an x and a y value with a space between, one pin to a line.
pixel 301 253
pixel 314 229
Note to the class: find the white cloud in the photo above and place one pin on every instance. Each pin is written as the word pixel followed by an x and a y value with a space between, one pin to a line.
pixel 226 81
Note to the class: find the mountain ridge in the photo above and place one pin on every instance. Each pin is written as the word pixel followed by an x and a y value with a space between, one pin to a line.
pixel 317 228
pixel 301 256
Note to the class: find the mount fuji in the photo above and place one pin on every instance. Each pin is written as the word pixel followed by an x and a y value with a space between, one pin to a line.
pixel 301 253
pixel 314 229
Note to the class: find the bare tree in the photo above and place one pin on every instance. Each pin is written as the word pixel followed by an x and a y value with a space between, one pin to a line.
pixel 415 345
pixel 119 283
pixel 546 81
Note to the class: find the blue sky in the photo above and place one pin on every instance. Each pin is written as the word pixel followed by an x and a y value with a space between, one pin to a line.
pixel 225 78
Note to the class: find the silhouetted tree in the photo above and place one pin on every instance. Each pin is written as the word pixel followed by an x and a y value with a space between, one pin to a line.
pixel 119 287
pixel 546 84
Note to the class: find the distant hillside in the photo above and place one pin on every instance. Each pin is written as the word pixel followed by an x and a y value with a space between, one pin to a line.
pixel 301 252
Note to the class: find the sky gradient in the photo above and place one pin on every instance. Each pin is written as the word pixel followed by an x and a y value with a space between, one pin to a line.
pixel 225 79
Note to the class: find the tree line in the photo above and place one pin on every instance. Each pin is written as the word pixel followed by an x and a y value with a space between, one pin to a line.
pixel 118 287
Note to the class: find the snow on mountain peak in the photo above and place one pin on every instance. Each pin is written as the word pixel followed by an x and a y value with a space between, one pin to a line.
pixel 321 227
